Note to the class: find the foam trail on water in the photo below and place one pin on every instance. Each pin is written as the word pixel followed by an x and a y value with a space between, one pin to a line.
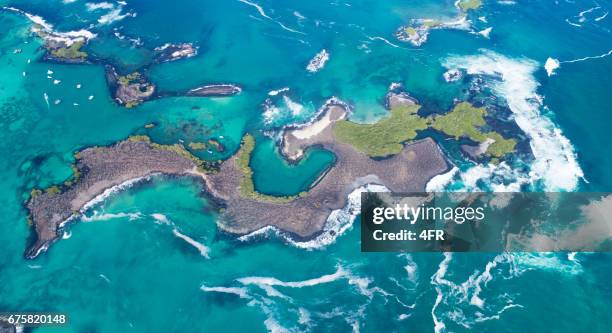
pixel 483 278
pixel 161 219
pixel 386 41
pixel 109 216
pixel 588 58
pixel 204 250
pixel 263 14
pixel 437 280
pixel 411 268
pixel 270 281
pixel 602 16
pixel 241 292
pixel 100 5
pixel 555 163
pixel 46 97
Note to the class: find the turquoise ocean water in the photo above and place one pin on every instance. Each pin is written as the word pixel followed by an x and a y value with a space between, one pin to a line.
pixel 124 266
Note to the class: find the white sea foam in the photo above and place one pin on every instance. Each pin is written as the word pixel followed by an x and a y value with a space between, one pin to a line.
pixel 338 222
pixel 411 268
pixel 112 16
pixel 271 113
pixel 438 183
pixel 270 281
pixel 477 281
pixel 548 261
pixel 68 37
pixel 599 18
pixel 299 15
pixel 386 41
pixel 403 316
pixel 110 216
pixel 261 12
pixel 581 16
pixel 555 162
pixel 241 292
pixel 496 316
pixel 279 91
pixel 295 108
pixel 204 250
pixel 256 6
pixel 485 32
pixel 113 190
pixel 91 6
pixel 161 219
pixel 588 58
pixel 304 318
pixel 551 65
pixel 318 61
pixel 46 98
pixel 573 24
pixel 105 278
pixel 437 280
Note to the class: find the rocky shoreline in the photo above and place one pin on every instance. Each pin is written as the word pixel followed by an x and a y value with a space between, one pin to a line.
pixel 133 89
pixel 99 169
pixel 215 90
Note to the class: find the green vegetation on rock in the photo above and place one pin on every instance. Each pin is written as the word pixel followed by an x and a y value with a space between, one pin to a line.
pixel 431 23
pixel 247 187
pixel 76 174
pixel 384 137
pixel 466 5
pixel 203 166
pixel 71 52
pixel 53 190
pixel 197 145
pixel 465 120
pixel 411 32
pixel 127 79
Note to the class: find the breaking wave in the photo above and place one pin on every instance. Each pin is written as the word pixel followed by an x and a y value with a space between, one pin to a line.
pixel 338 222
pixel 555 165
pixel 113 190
